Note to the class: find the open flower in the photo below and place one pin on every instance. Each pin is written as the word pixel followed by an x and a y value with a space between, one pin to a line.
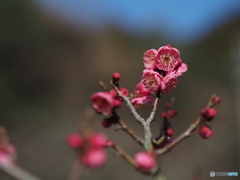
pixel 168 85
pixel 151 80
pixel 103 102
pixel 149 59
pixel 179 70
pixel 141 90
pixel 138 101
pixel 167 58
pixel 169 81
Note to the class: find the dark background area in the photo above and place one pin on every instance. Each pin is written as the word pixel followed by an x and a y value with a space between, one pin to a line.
pixel 49 68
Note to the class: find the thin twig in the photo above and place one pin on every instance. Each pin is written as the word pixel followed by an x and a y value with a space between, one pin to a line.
pixel 131 133
pixel 185 134
pixel 146 125
pixel 129 104
pixel 76 171
pixel 123 154
pixel 180 138
pixel 103 85
pixel 148 133
pixel 130 160
pixel 153 113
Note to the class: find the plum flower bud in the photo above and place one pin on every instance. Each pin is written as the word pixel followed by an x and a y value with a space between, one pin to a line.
pixel 124 91
pixel 151 80
pixel 107 122
pixel 113 93
pixel 149 59
pixel 163 114
pixel 117 103
pixel 168 105
pixel 74 140
pixel 169 131
pixel 116 77
pixel 144 161
pixel 97 140
pixel 94 158
pixel 216 100
pixel 167 58
pixel 109 143
pixel 209 113
pixel 205 131
pixel 141 90
pixel 171 113
pixel 102 102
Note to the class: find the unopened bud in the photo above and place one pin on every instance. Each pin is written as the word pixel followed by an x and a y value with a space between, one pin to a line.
pixel 209 113
pixel 205 131
pixel 216 100
pixel 144 161
pixel 94 158
pixel 106 122
pixel 74 140
pixel 116 77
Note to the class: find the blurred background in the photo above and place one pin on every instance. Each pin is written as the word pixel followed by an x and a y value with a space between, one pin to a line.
pixel 53 53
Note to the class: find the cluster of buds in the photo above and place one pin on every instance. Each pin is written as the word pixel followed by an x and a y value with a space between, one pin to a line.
pixel 7 150
pixel 89 147
pixel 166 132
pixel 208 113
pixel 163 66
pixel 106 102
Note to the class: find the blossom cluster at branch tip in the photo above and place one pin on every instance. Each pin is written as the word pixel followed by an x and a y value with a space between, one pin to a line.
pixel 90 148
pixel 141 96
pixel 163 67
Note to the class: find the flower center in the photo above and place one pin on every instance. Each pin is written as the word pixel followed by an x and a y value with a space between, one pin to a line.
pixel 166 58
pixel 152 82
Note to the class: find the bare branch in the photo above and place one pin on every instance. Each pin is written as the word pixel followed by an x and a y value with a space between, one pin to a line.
pixel 129 104
pixel 131 133
pixel 17 173
pixel 187 133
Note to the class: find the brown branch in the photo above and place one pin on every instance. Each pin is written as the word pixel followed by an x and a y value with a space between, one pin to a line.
pixel 131 133
pixel 76 171
pixel 146 126
pixel 129 104
pixel 130 160
pixel 123 154
pixel 187 133
pixel 180 138
pixel 153 113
